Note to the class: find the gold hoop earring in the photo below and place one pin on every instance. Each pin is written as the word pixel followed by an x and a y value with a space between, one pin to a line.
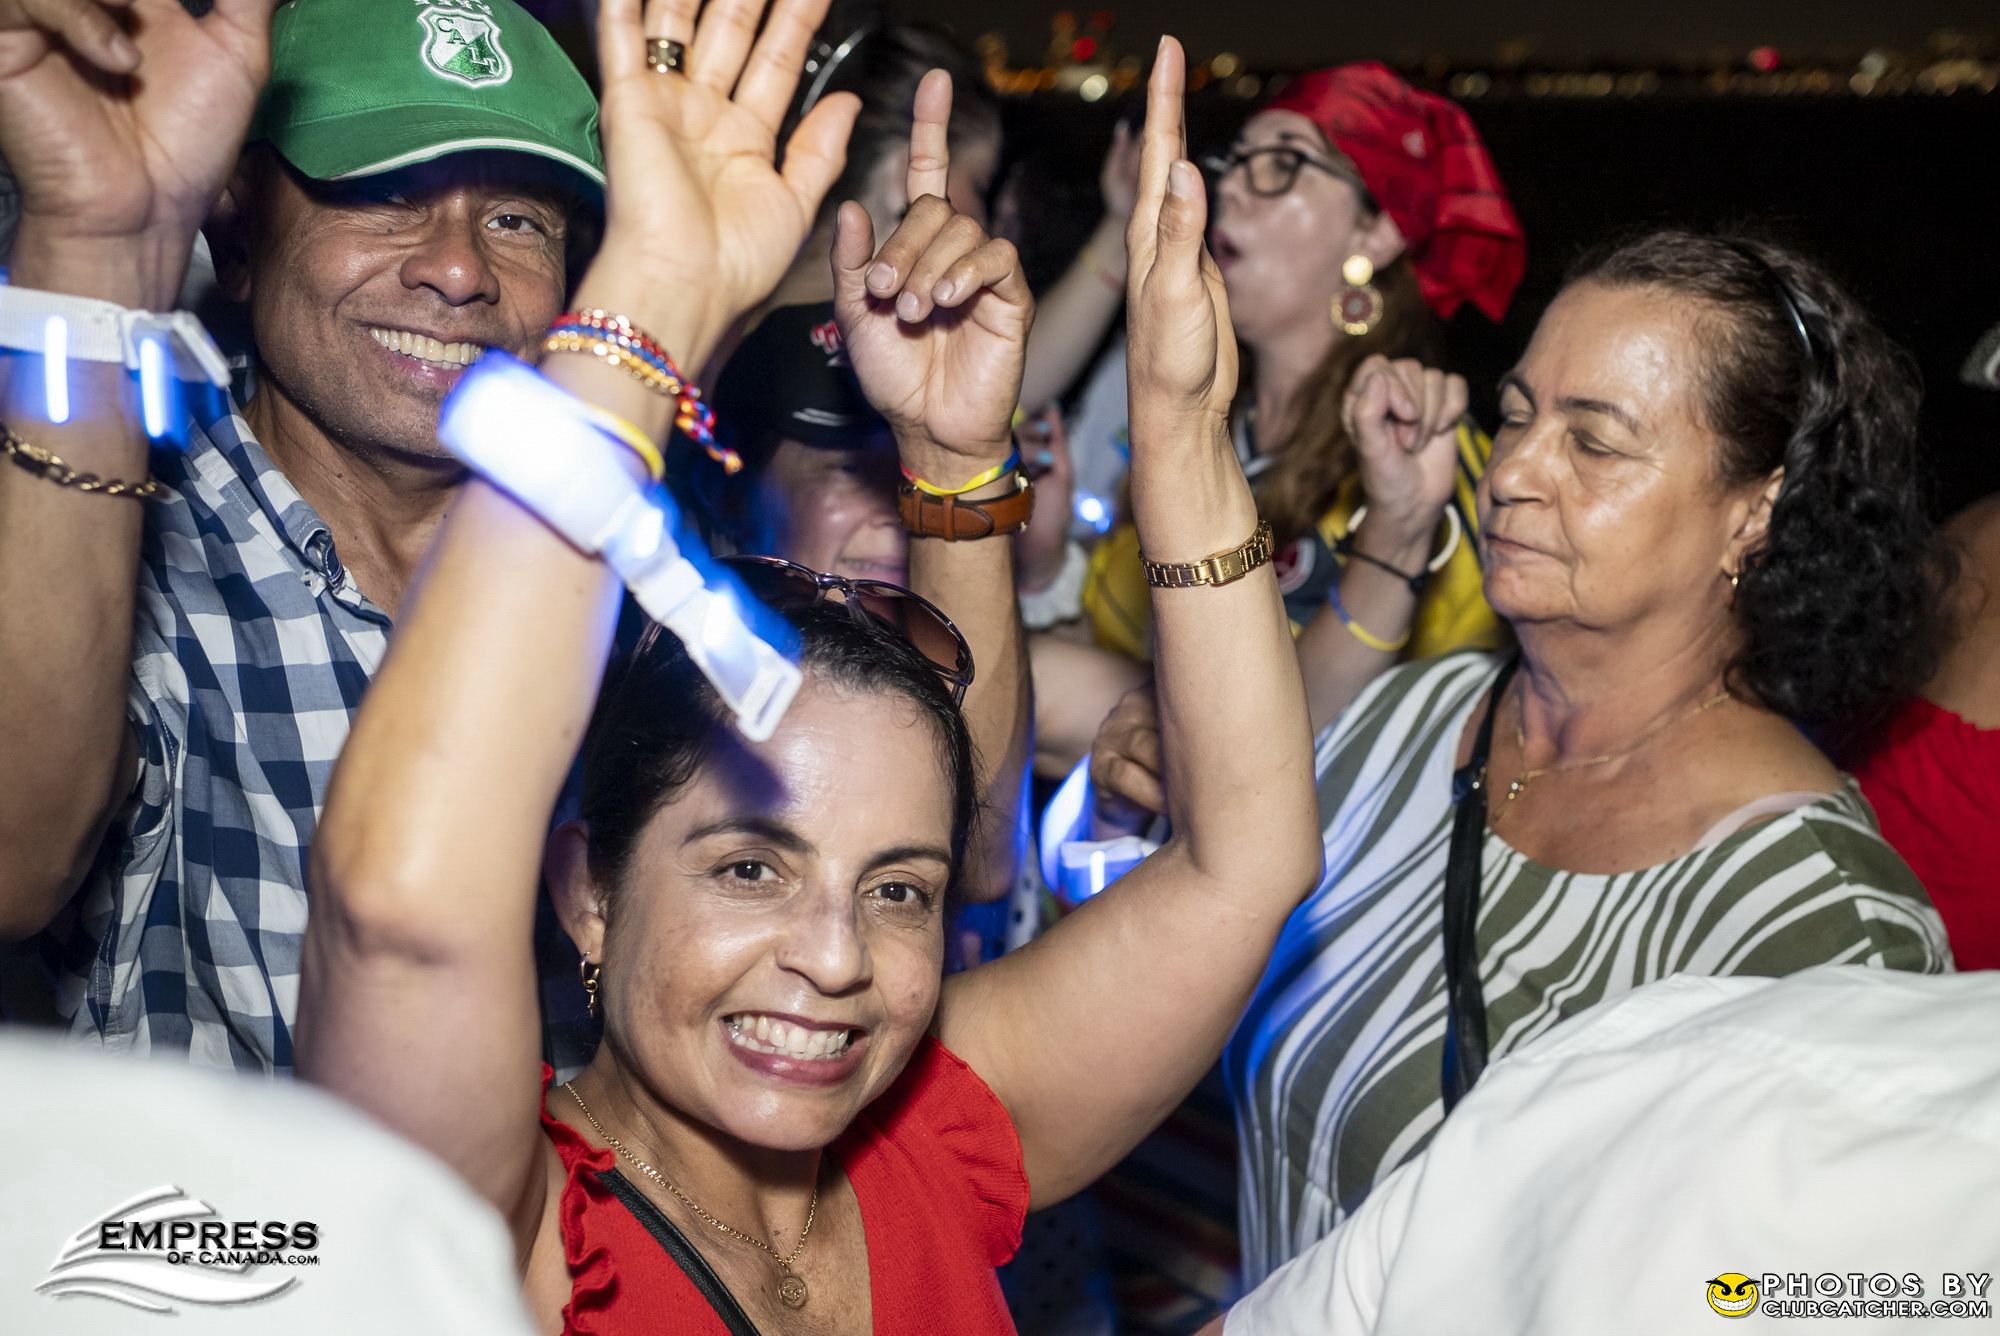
pixel 1358 308
pixel 588 973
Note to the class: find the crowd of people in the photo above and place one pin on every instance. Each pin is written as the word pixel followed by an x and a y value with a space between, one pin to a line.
pixel 1458 803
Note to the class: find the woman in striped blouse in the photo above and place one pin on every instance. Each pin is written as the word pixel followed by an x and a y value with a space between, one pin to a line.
pixel 1701 522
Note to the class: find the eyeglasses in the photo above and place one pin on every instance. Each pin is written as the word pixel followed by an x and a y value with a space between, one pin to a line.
pixel 1272 170
pixel 785 585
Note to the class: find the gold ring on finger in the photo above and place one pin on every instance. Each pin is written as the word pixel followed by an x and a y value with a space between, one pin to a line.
pixel 665 55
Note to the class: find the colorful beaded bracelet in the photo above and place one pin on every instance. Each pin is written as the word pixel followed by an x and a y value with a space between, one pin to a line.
pixel 618 342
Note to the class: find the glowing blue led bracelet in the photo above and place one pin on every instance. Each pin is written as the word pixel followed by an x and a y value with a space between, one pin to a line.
pixel 55 367
pixel 1074 866
pixel 165 349
pixel 531 439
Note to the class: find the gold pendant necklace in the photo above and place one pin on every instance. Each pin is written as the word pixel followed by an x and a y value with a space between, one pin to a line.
pixel 791 1285
pixel 1521 781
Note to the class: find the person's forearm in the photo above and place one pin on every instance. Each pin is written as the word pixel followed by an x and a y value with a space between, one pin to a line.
pixel 68 579
pixel 1074 315
pixel 427 859
pixel 1181 940
pixel 1233 717
pixel 973 582
pixel 445 788
pixel 1336 662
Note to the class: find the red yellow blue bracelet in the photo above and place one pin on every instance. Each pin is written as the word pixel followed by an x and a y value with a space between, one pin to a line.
pixel 616 341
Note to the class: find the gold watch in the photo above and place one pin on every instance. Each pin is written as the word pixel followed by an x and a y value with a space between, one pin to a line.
pixel 1219 568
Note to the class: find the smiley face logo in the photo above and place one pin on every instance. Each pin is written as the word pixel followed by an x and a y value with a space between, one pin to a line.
pixel 1733 1294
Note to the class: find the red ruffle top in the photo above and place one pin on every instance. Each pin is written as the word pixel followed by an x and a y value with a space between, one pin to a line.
pixel 936 1167
pixel 1934 783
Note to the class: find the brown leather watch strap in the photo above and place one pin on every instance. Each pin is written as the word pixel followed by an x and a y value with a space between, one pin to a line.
pixel 953 518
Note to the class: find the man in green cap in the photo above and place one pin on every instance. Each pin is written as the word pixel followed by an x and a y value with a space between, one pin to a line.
pixel 189 627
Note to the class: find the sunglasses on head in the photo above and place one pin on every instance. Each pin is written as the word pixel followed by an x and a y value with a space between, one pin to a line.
pixel 785 585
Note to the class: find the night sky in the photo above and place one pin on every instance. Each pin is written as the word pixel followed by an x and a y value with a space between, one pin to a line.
pixel 1292 32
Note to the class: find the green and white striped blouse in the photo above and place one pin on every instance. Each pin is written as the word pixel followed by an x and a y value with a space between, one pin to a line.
pixel 1334 1067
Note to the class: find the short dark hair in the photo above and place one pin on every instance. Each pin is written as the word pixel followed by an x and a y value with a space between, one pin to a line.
pixel 1840 606
pixel 658 720
pixel 883 71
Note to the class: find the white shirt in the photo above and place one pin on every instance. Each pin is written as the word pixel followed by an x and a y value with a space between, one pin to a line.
pixel 1842 1120
pixel 399 1243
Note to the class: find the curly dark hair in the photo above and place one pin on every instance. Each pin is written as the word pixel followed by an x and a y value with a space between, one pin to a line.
pixel 1840 607
pixel 658 720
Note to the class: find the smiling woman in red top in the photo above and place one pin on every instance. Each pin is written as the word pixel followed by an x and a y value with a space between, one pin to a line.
pixel 794 1122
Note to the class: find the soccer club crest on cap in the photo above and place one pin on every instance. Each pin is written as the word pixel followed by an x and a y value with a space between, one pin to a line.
pixel 462 42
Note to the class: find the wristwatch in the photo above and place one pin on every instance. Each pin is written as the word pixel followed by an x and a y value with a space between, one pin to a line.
pixel 953 518
pixel 1219 568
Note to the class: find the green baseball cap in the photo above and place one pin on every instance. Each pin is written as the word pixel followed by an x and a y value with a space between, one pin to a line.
pixel 366 86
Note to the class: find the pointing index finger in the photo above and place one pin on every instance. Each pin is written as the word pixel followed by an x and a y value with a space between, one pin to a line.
pixel 930 138
pixel 1161 141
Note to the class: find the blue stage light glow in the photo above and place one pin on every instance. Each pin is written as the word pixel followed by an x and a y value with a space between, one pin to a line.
pixel 1093 511
pixel 1074 866
pixel 1062 818
pixel 155 387
pixel 55 367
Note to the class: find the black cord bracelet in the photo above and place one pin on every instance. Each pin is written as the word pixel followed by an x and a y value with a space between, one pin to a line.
pixel 1345 549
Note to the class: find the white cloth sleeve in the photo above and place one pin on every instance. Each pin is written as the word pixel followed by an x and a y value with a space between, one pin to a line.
pixel 1334 1288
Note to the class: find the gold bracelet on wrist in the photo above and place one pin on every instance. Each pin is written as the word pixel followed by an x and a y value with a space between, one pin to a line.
pixel 1218 568
pixel 53 468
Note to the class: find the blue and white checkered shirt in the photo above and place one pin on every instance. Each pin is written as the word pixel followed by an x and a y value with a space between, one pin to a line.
pixel 251 650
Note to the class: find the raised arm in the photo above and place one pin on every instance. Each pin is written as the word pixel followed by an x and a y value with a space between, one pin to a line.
pixel 1089 295
pixel 936 324
pixel 1091 1034
pixel 1403 418
pixel 418 997
pixel 119 141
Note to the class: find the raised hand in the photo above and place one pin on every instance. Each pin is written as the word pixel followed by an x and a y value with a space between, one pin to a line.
pixel 1181 349
pixel 1403 419
pixel 1127 762
pixel 697 208
pixel 121 121
pixel 936 322
pixel 1118 178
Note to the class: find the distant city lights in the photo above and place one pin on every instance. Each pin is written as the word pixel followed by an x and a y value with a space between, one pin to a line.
pixel 1086 61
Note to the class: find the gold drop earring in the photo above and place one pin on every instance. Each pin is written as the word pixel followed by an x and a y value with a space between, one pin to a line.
pixel 1358 308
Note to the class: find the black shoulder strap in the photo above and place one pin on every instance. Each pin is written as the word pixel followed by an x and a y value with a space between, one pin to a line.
pixel 1465 1040
pixel 685 1256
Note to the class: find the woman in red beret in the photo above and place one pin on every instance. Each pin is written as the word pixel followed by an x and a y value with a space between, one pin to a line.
pixel 1353 213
